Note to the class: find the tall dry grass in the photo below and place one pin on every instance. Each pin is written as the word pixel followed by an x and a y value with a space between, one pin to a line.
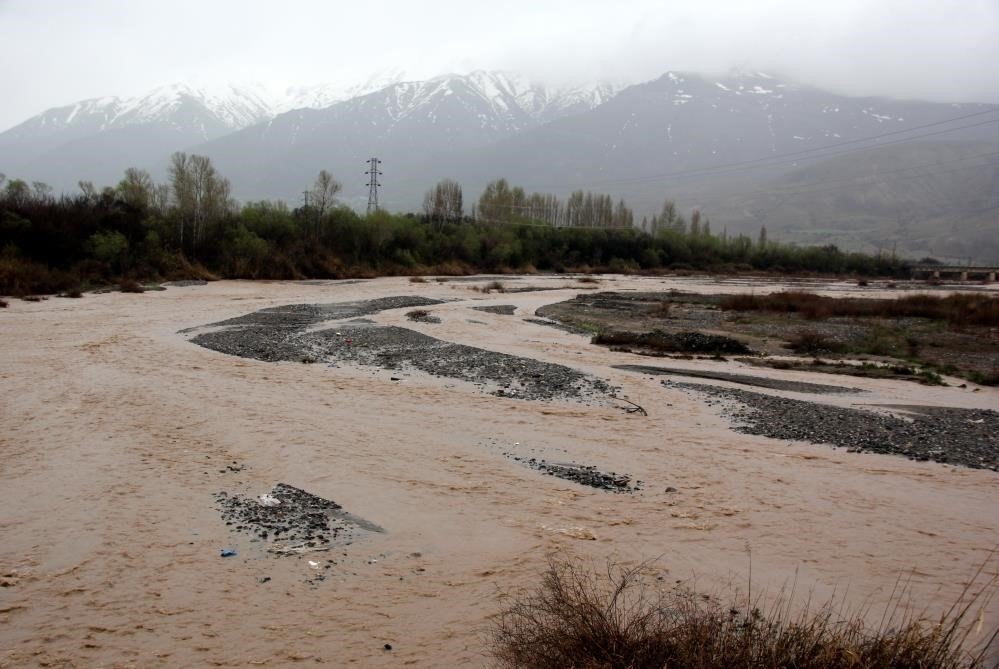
pixel 957 310
pixel 618 620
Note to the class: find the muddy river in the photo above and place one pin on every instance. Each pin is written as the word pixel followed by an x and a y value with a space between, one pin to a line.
pixel 130 435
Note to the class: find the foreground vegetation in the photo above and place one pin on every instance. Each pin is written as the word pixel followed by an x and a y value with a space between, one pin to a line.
pixel 956 310
pixel 191 228
pixel 580 618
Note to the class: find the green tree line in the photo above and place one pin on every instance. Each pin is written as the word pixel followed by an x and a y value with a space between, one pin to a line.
pixel 191 227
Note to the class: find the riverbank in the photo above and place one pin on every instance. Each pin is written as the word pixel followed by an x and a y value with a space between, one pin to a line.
pixel 119 433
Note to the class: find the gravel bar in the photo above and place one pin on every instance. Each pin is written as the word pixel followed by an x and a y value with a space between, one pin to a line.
pixel 582 474
pixel 288 334
pixel 744 379
pixel 966 437
pixel 292 520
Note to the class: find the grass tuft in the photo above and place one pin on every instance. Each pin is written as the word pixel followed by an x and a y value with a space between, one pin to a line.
pixel 615 619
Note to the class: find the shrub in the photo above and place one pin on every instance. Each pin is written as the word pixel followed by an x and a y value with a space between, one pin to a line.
pixel 417 279
pixel 929 377
pixel 3 304
pixel 21 277
pixel 810 342
pixel 580 618
pixel 422 316
pixel 493 285
pixel 130 286
pixel 684 342
pixel 985 378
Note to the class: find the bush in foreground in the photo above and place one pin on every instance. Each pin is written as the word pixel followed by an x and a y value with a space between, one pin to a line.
pixel 579 618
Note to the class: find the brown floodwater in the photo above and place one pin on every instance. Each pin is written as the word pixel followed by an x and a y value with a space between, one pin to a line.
pixel 116 431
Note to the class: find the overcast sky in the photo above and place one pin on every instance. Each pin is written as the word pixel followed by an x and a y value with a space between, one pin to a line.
pixel 54 52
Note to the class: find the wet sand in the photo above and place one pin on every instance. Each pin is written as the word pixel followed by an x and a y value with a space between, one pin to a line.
pixel 117 433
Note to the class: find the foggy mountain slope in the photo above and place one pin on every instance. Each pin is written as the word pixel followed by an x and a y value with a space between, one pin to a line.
pixel 923 198
pixel 658 132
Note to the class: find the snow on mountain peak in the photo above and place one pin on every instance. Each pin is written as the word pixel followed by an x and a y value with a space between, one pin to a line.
pixel 212 108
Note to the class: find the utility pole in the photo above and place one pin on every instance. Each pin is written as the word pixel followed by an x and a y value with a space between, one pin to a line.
pixel 373 184
pixel 305 193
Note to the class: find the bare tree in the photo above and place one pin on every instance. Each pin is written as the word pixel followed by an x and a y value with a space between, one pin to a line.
pixel 444 203
pixel 180 181
pixel 136 188
pixel 201 196
pixel 90 193
pixel 43 191
pixel 323 197
pixel 159 198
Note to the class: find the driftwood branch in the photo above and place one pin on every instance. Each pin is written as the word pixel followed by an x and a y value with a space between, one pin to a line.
pixel 634 408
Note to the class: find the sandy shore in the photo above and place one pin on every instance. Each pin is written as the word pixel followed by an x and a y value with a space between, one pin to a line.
pixel 116 433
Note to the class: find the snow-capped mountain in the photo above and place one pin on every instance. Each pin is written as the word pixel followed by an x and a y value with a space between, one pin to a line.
pixel 320 96
pixel 97 139
pixel 408 122
pixel 228 108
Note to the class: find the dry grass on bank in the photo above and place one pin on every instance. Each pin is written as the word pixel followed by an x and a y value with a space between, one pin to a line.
pixel 616 620
pixel 957 310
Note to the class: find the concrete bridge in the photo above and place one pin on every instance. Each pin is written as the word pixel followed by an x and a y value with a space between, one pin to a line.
pixel 958 272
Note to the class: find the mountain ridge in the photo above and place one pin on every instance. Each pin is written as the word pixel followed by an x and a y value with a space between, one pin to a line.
pixel 702 141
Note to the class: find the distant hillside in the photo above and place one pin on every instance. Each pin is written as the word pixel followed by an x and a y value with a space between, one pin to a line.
pixel 749 150
pixel 939 199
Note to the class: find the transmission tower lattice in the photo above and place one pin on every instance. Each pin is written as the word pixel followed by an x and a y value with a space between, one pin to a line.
pixel 373 184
